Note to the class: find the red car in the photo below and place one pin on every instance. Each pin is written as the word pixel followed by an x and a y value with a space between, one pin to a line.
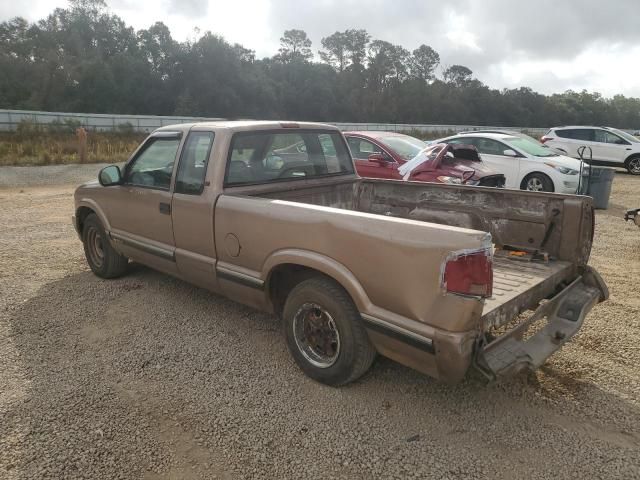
pixel 381 154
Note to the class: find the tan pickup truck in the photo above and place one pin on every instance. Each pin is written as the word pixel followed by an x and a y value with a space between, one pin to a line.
pixel 273 215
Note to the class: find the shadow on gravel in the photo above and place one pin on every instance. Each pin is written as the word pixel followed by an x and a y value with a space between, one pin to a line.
pixel 149 377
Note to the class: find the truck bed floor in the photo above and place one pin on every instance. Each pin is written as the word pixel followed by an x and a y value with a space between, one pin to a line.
pixel 518 283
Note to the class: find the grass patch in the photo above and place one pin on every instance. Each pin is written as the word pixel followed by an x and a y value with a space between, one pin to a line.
pixel 58 144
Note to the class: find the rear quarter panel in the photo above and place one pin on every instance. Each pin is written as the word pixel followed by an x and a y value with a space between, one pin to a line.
pixel 391 267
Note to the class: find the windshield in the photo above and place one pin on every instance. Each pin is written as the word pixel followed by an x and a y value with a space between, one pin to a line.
pixel 529 147
pixel 404 145
pixel 626 136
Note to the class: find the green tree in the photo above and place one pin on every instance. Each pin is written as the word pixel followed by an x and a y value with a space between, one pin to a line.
pixel 423 63
pixel 457 75
pixel 294 46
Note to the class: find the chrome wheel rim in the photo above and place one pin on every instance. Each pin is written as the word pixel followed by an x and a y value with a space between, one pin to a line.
pixel 535 185
pixel 316 335
pixel 634 165
pixel 95 247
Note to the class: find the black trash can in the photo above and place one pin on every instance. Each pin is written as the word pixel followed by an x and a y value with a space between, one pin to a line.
pixel 599 185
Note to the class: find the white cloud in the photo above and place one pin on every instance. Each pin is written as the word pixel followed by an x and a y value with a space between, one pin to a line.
pixel 608 69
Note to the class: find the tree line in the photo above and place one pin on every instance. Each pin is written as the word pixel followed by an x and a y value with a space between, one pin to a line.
pixel 85 59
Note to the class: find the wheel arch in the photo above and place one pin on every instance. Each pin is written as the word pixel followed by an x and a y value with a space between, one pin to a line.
pixel 629 158
pixel 287 268
pixel 536 172
pixel 87 207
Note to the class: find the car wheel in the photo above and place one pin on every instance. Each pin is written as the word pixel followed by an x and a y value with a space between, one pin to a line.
pixel 537 182
pixel 103 260
pixel 633 165
pixel 325 334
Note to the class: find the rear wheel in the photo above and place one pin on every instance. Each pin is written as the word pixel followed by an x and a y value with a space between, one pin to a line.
pixel 103 260
pixel 633 165
pixel 537 182
pixel 325 334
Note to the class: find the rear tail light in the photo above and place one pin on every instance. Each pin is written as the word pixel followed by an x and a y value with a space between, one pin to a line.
pixel 545 139
pixel 469 273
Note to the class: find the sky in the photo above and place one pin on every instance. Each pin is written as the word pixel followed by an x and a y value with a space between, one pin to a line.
pixel 548 45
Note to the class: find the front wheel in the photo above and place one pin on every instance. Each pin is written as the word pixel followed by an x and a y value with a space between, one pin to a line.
pixel 103 260
pixel 537 182
pixel 633 165
pixel 325 334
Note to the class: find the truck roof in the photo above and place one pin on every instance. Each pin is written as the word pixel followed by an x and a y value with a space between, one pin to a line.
pixel 244 125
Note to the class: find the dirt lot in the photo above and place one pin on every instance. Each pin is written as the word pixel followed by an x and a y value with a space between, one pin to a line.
pixel 148 377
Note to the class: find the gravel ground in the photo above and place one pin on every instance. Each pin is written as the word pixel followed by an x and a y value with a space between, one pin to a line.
pixel 50 175
pixel 148 377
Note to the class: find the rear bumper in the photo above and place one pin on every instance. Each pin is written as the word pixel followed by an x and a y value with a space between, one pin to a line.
pixel 634 216
pixel 564 314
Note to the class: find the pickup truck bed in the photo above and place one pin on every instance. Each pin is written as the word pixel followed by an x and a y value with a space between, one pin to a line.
pixel 542 243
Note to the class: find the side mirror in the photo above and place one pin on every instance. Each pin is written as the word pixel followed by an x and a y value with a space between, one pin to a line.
pixel 109 176
pixel 380 158
pixel 509 153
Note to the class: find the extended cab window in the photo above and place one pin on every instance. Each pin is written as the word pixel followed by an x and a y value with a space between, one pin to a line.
pixel 260 157
pixel 154 164
pixel 193 163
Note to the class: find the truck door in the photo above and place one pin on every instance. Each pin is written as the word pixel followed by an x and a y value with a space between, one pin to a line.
pixel 140 209
pixel 192 210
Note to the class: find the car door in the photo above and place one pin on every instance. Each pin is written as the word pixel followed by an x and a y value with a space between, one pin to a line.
pixel 192 211
pixel 361 149
pixel 609 147
pixel 139 210
pixel 575 138
pixel 492 153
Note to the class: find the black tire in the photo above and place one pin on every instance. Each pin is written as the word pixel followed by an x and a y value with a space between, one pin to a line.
pixel 632 164
pixel 103 260
pixel 537 182
pixel 355 353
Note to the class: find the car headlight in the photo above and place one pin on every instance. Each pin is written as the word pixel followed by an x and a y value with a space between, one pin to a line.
pixel 564 170
pixel 446 179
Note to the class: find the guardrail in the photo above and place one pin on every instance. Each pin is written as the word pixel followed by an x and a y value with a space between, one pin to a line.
pixel 11 119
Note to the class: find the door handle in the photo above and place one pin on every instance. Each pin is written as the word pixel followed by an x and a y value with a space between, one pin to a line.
pixel 165 208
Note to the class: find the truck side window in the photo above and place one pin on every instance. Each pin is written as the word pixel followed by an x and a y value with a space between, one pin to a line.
pixel 153 166
pixel 193 163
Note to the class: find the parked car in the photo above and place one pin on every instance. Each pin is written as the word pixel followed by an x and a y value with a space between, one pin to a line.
pixel 525 164
pixel 610 146
pixel 633 215
pixel 515 133
pixel 381 154
pixel 424 273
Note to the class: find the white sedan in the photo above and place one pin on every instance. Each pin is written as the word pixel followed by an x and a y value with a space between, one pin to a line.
pixel 525 164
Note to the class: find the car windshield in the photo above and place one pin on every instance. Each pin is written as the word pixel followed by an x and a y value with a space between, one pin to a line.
pixel 626 136
pixel 529 147
pixel 404 145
